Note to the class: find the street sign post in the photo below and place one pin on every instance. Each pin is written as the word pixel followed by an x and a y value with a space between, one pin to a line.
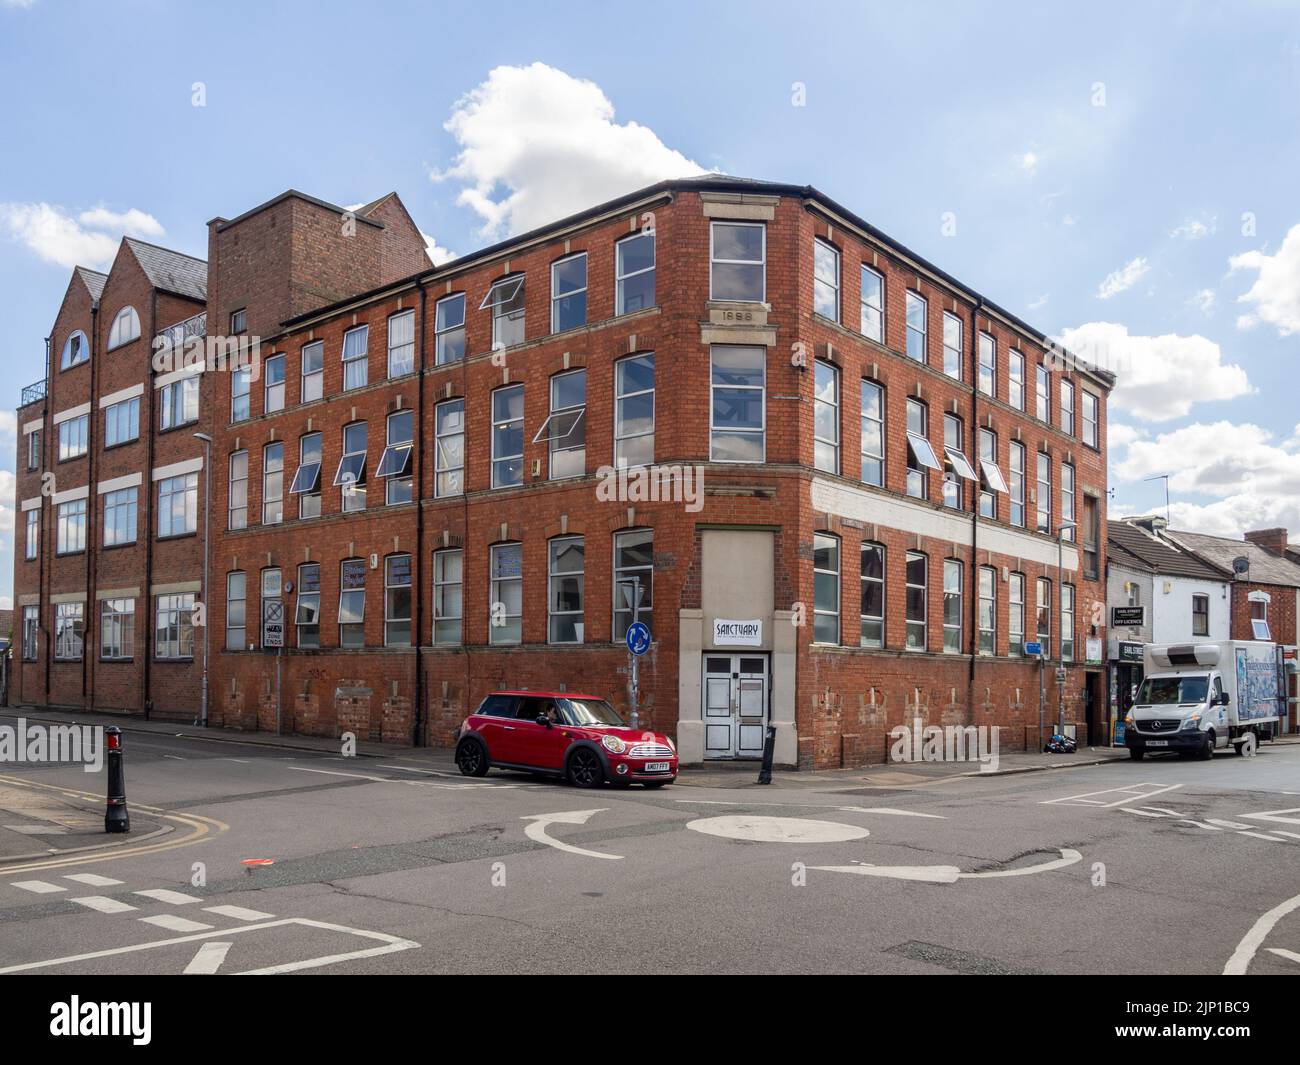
pixel 638 636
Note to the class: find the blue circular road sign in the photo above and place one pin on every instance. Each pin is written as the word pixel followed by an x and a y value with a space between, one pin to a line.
pixel 638 638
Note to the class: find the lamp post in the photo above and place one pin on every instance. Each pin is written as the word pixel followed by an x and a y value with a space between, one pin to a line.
pixel 1061 530
pixel 206 441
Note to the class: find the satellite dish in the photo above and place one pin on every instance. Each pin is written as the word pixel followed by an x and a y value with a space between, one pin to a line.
pixel 1240 564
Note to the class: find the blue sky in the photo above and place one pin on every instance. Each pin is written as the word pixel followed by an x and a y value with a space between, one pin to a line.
pixel 1121 175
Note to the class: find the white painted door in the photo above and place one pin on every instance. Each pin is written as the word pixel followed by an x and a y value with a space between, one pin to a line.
pixel 735 694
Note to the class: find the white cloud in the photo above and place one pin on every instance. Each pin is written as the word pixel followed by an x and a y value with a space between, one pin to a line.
pixel 8 484
pixel 6 602
pixel 1252 481
pixel 91 239
pixel 134 222
pixel 1119 435
pixel 1159 378
pixel 1029 163
pixel 1068 220
pixel 536 144
pixel 1196 228
pixel 1204 300
pixel 1125 277
pixel 437 254
pixel 1040 302
pixel 20 3
pixel 1276 291
pixel 8 427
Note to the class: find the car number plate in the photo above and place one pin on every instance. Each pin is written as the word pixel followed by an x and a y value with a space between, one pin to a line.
pixel 656 767
pixel 1157 743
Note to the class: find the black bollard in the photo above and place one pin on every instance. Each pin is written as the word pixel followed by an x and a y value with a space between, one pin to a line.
pixel 769 747
pixel 116 817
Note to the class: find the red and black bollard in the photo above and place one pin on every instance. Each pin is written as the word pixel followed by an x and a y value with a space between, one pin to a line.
pixel 116 817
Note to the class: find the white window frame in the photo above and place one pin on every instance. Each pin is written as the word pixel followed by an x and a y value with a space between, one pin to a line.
pixel 1068 501
pixel 1091 426
pixel 915 626
pixel 117 630
pixel 273 483
pixel 986 591
pixel 824 446
pixel 558 298
pixel 1016 483
pixel 241 391
pixel 174 627
pixel 392 614
pixel 1016 379
pixel 565 457
pixel 504 293
pixel 507 424
pixel 952 354
pixel 444 335
pixel 623 573
pixel 498 634
pixel 621 277
pixel 1016 615
pixel 120 510
pixel 761 431
pixel 622 438
pixel 69 632
pixel 401 346
pixel 70 527
pixel 32 541
pixel 912 299
pixel 988 364
pixel 274 392
pixel 821 543
pixel 555 617
pixel 119 333
pixel 826 248
pixel 868 311
pixel 356 367
pixel 352 490
pixel 122 422
pixel 442 617
pixel 236 610
pixel 1042 394
pixel 74 437
pixel 454 474
pixel 67 359
pixel 872 621
pixel 307 607
pixel 397 459
pixel 313 381
pixel 715 261
pixel 1065 415
pixel 352 605
pixel 237 475
pixel 307 477
pixel 954 591
pixel 1042 492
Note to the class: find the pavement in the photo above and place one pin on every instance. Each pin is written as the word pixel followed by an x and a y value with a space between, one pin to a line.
pixel 283 856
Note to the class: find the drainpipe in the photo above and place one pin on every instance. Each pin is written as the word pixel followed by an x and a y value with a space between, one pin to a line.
pixel 146 593
pixel 92 516
pixel 45 616
pixel 975 510
pixel 417 578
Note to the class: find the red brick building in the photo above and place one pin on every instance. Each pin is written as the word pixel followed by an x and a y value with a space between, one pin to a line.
pixel 836 474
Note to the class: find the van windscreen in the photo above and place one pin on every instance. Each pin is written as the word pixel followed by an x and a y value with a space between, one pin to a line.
pixel 1170 691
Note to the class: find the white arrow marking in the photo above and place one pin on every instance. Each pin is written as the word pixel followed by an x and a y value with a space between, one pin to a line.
pixel 536 831
pixel 1198 824
pixel 1068 857
pixel 208 960
pixel 1245 952
pixel 1276 815
pixel 933 874
pixel 1290 955
pixel 1226 824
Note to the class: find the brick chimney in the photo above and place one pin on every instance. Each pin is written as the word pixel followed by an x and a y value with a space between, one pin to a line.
pixel 1274 540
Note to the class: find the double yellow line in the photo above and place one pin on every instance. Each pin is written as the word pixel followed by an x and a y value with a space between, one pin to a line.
pixel 200 829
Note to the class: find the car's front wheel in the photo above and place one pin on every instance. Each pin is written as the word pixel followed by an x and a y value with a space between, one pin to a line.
pixel 471 759
pixel 585 770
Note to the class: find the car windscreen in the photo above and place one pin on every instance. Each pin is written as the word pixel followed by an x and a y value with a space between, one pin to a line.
pixel 593 712
pixel 1170 691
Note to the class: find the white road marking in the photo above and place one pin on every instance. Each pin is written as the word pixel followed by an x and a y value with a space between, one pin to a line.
pixel 92 879
pixel 39 887
pixel 208 960
pixel 1260 835
pixel 1068 857
pixel 176 924
pixel 238 913
pixel 241 761
pixel 1226 824
pixel 1276 815
pixel 1290 955
pixel 1140 813
pixel 1126 795
pixel 1199 824
pixel 536 831
pixel 390 945
pixel 949 874
pixel 336 773
pixel 1245 952
pixel 817 806
pixel 1284 832
pixel 174 757
pixel 390 780
pixel 175 898
pixel 103 904
pixel 758 829
pixel 1164 810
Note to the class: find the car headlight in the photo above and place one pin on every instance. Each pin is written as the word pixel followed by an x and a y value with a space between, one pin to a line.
pixel 671 746
pixel 1128 720
pixel 613 744
pixel 1193 722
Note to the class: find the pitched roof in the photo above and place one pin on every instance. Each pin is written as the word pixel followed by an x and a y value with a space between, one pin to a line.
pixel 1159 556
pixel 1265 567
pixel 93 280
pixel 171 271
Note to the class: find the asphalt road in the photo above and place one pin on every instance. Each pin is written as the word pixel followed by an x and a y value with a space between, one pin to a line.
pixel 394 865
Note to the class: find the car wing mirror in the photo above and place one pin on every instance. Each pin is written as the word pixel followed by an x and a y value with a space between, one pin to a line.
pixel 542 719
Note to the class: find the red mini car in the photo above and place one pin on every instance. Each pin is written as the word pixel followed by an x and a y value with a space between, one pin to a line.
pixel 563 734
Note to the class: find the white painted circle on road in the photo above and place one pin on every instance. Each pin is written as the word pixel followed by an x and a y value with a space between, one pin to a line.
pixel 757 829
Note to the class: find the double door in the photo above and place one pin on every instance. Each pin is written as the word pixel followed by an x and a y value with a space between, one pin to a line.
pixel 735 706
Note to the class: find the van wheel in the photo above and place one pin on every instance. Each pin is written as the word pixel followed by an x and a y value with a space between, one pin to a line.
pixel 1207 748
pixel 1135 754
pixel 1236 748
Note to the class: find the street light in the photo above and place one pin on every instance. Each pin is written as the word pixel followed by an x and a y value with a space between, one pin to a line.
pixel 206 441
pixel 1061 530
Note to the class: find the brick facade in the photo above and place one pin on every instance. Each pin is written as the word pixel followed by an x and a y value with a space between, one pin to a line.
pixel 834 704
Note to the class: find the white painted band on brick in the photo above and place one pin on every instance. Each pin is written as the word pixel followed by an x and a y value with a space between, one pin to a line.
pixel 33 426
pixel 118 397
pixel 178 588
pixel 68 597
pixel 69 494
pixel 72 412
pixel 130 480
pixel 177 469
pixel 872 507
pixel 32 504
pixel 178 375
pixel 118 593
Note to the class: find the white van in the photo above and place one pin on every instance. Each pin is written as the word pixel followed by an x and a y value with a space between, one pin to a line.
pixel 1198 697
